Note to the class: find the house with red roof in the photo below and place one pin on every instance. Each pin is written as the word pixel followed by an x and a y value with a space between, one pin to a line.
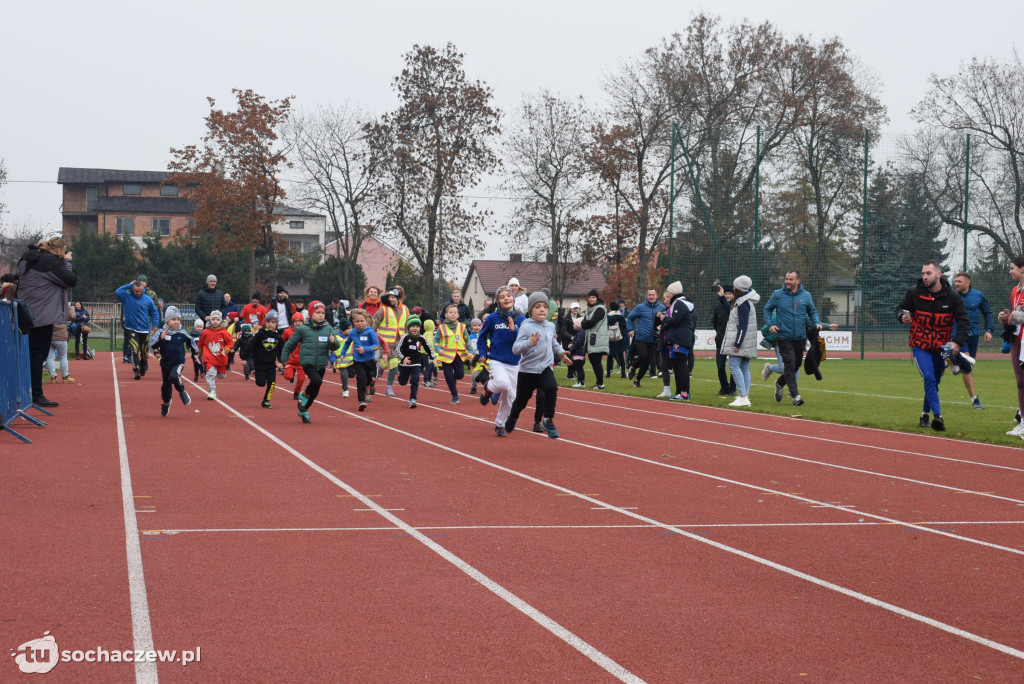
pixel 486 276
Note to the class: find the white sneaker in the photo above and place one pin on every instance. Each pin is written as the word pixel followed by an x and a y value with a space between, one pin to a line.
pixel 1018 430
pixel 667 393
pixel 344 394
pixel 579 385
pixel 740 401
pixel 212 395
pixel 767 372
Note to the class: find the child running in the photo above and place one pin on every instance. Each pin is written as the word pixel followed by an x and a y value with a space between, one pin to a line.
pixel 293 368
pixel 316 338
pixel 413 350
pixel 171 342
pixel 474 328
pixel 451 350
pixel 263 351
pixel 197 353
pixel 495 344
pixel 343 363
pixel 363 341
pixel 538 345
pixel 215 343
pixel 244 338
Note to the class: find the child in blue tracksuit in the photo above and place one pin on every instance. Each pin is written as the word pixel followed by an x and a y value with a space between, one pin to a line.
pixel 173 343
pixel 495 343
pixel 363 341
pixel 578 354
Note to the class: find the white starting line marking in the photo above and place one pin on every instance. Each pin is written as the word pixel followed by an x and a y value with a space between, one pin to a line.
pixel 429 528
pixel 142 627
pixel 374 510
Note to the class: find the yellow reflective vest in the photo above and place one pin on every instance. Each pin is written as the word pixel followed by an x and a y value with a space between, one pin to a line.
pixel 392 326
pixel 451 342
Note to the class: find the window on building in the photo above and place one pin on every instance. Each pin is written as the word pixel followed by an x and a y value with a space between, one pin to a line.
pixel 126 226
pixel 296 225
pixel 132 189
pixel 302 246
pixel 168 190
pixel 90 228
pixel 90 198
pixel 162 227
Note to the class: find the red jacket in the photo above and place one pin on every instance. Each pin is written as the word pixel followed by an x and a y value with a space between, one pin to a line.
pixel 293 358
pixel 216 343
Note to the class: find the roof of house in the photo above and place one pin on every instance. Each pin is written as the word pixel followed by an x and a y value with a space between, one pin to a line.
pixel 282 210
pixel 532 276
pixel 68 174
pixel 145 205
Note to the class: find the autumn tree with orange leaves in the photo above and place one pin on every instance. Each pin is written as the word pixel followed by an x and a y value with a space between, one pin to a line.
pixel 233 176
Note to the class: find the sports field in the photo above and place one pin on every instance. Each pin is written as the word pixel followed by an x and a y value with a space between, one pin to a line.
pixel 655 541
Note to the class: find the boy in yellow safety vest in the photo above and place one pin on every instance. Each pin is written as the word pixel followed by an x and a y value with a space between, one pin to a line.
pixel 390 322
pixel 343 361
pixel 450 344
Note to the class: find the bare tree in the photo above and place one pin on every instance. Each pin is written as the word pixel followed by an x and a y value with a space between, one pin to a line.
pixel 630 157
pixel 986 100
pixel 435 146
pixel 839 103
pixel 340 174
pixel 547 174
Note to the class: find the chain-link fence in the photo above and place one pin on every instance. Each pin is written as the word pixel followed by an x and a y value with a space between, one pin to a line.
pixel 857 216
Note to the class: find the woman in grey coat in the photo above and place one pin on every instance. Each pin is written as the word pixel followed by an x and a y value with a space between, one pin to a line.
pixel 740 341
pixel 45 274
pixel 595 322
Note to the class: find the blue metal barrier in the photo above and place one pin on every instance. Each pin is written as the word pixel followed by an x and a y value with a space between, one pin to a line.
pixel 15 381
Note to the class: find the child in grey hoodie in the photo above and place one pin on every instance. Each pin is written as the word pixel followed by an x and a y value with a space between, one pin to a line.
pixel 537 344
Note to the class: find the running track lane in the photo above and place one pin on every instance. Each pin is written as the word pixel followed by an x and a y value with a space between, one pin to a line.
pixel 392 403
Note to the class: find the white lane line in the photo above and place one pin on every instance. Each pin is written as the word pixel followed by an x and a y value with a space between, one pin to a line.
pixel 596 656
pixel 763 452
pixel 389 528
pixel 799 435
pixel 142 628
pixel 870 600
pixel 759 488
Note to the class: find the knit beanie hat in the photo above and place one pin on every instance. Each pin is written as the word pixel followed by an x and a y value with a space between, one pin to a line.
pixel 413 320
pixel 216 314
pixel 271 316
pixel 595 293
pixel 171 312
pixel 675 288
pixel 743 283
pixel 246 328
pixel 536 298
pixel 476 321
pixel 210 278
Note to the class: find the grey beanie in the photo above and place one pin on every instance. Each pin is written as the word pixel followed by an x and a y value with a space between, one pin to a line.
pixel 271 315
pixel 743 283
pixel 171 312
pixel 211 278
pixel 536 298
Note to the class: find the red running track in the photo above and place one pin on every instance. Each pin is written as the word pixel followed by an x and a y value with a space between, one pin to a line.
pixel 654 542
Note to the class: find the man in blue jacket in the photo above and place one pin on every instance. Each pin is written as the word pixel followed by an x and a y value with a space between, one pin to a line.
pixel 641 323
pixel 792 305
pixel 977 306
pixel 141 320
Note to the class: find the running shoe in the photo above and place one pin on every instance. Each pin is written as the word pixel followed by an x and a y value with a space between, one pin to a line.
pixel 266 404
pixel 924 421
pixel 455 400
pixel 549 427
pixel 938 424
pixel 485 397
pixel 976 403
pixel 164 408
pixel 412 403
pixel 537 427
pixel 304 415
pixel 779 389
pixel 767 372
pixel 495 397
pixel 344 394
pixel 212 396
pixel 389 392
pixel 681 397
pixel 362 406
pixel 500 431
pixel 636 384
pixel 797 401
pixel 579 385
pixel 740 402
pixel 597 387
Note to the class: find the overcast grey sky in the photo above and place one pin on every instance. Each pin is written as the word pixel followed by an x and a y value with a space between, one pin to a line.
pixel 115 84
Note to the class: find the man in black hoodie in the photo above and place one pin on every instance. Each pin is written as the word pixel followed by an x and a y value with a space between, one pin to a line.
pixel 720 321
pixel 931 307
pixel 45 274
pixel 209 299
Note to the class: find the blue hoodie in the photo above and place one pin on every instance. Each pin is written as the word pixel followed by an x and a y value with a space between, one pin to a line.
pixel 641 320
pixel 501 338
